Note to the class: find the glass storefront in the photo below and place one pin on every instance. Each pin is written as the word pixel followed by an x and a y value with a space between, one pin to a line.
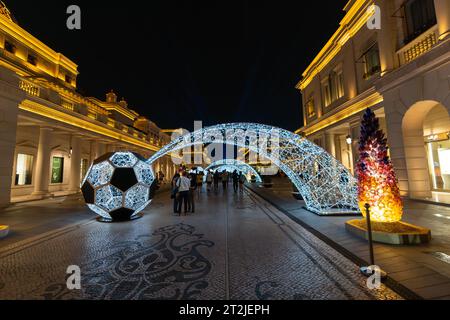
pixel 57 170
pixel 84 168
pixel 438 149
pixel 24 170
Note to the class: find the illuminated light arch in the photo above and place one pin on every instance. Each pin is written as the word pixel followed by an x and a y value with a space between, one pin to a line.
pixel 324 183
pixel 235 165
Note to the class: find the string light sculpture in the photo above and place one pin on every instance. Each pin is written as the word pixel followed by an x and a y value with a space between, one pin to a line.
pixel 326 185
pixel 119 186
pixel 231 165
pixel 377 183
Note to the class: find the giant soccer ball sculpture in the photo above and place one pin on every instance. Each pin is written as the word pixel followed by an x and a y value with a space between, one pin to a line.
pixel 119 186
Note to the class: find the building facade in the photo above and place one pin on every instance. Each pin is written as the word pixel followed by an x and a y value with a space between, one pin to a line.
pixel 400 70
pixel 49 133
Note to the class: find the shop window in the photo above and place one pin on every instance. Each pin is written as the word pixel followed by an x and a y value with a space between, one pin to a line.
pixel 333 87
pixel 372 64
pixel 24 170
pixel 311 108
pixel 84 168
pixel 326 93
pixel 57 170
pixel 438 147
pixel 32 60
pixel 339 84
pixel 419 16
pixel 68 79
pixel 10 47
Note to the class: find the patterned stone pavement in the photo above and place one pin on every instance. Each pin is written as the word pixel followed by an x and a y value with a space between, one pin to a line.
pixel 234 247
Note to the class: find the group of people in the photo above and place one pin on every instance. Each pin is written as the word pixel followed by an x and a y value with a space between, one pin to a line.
pixel 213 179
pixel 183 191
pixel 184 187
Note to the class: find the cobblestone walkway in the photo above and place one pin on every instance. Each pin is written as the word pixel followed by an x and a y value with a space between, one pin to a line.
pixel 234 247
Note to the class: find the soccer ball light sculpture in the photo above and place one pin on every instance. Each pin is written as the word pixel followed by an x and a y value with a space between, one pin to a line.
pixel 119 186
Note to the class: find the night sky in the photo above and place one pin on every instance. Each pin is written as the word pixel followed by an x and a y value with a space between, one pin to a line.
pixel 180 61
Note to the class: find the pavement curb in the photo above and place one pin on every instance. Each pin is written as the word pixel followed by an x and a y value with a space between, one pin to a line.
pixel 390 283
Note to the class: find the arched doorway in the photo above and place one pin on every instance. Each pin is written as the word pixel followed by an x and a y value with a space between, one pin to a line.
pixel 426 127
pixel 325 184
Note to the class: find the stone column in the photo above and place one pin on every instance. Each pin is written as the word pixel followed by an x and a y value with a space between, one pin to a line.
pixel 385 37
pixel 442 8
pixel 395 141
pixel 94 151
pixel 75 165
pixel 101 149
pixel 355 134
pixel 42 178
pixel 110 148
pixel 10 97
pixel 330 144
pixel 167 173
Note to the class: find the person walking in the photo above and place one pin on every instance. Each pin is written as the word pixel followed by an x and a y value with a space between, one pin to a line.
pixel 199 186
pixel 216 181
pixel 224 180
pixel 209 181
pixel 193 187
pixel 184 185
pixel 242 180
pixel 235 181
pixel 175 195
pixel 161 177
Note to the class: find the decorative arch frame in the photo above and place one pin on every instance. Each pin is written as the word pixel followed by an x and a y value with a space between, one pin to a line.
pixel 327 187
pixel 237 165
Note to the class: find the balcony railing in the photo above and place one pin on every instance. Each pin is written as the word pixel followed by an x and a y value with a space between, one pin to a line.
pixel 34 90
pixel 30 88
pixel 68 105
pixel 419 46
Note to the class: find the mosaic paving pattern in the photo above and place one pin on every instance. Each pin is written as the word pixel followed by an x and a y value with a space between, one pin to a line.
pixel 170 268
pixel 236 247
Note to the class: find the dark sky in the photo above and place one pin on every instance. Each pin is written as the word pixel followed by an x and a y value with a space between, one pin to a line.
pixel 180 61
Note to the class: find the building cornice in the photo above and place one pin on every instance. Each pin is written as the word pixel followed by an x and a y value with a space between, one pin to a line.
pixel 81 122
pixel 354 106
pixel 130 114
pixel 15 31
pixel 356 17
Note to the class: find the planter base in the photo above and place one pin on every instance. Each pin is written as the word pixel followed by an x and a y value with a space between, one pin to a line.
pixel 399 233
pixel 4 230
pixel 104 220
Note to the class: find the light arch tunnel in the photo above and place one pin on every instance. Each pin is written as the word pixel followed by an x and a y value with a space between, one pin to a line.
pixel 325 184
pixel 231 165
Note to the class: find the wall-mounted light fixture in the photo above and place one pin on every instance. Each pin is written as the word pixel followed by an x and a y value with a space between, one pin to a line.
pixel 349 140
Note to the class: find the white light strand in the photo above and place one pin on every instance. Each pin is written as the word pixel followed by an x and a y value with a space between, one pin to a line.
pixel 325 184
pixel 230 165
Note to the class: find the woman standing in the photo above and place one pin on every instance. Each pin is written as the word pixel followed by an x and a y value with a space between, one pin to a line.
pixel 184 186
